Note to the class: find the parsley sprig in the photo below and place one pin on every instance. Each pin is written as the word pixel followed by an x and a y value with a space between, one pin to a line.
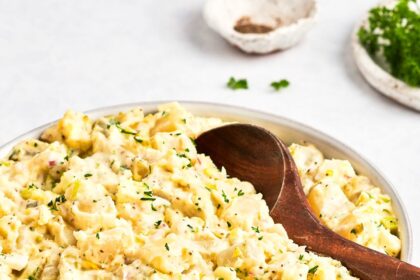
pixel 237 84
pixel 278 85
pixel 394 35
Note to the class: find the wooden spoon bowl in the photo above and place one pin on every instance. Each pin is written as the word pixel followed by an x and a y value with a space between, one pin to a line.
pixel 255 155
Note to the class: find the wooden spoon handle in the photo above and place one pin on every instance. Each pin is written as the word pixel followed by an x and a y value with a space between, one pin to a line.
pixel 363 262
pixel 304 228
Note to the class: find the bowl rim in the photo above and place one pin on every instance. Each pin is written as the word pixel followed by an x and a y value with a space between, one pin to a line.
pixel 405 234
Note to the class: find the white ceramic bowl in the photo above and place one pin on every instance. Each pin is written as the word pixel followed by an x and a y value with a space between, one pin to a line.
pixel 289 20
pixel 380 79
pixel 288 130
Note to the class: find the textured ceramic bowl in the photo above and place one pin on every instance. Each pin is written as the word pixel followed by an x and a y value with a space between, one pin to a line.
pixel 379 78
pixel 289 131
pixel 261 26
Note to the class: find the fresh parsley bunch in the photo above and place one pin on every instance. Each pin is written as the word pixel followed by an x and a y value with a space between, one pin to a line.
pixel 394 33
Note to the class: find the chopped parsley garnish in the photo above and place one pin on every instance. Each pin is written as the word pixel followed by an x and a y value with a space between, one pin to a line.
pixel 167 246
pixel 192 228
pixel 240 193
pixel 313 269
pixel 237 84
pixel 87 175
pixel 393 34
pixel 125 131
pixel 225 197
pixel 148 198
pixel 181 155
pixel 300 257
pixel 353 231
pixel 228 224
pixel 157 224
pixel 260 238
pixel 153 207
pixel 280 84
pixel 61 199
pixel 256 229
pixel 53 203
pixel 34 274
pixel 97 235
pixel 189 165
pixel 138 139
pixel 120 128
pixel 148 193
pixel 32 186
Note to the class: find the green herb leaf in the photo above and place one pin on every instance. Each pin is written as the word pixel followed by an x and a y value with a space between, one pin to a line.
pixel 157 224
pixel 153 207
pixel 138 139
pixel 148 193
pixel 237 84
pixel 121 129
pixel 280 84
pixel 34 275
pixel 393 34
pixel 53 203
pixel 313 270
pixel 167 246
pixel 225 197
pixel 148 198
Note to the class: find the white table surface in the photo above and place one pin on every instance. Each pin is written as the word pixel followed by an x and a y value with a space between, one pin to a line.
pixel 56 55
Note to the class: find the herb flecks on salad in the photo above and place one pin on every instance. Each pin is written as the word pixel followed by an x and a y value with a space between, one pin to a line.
pixel 394 35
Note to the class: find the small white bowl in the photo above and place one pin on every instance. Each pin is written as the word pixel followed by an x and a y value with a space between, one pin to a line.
pixel 288 130
pixel 378 77
pixel 288 21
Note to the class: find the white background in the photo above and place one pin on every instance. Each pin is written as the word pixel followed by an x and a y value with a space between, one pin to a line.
pixel 56 55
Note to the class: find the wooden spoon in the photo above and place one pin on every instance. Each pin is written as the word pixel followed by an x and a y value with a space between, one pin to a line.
pixel 255 155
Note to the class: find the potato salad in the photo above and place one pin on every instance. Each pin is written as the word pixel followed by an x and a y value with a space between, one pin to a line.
pixel 347 203
pixel 127 196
